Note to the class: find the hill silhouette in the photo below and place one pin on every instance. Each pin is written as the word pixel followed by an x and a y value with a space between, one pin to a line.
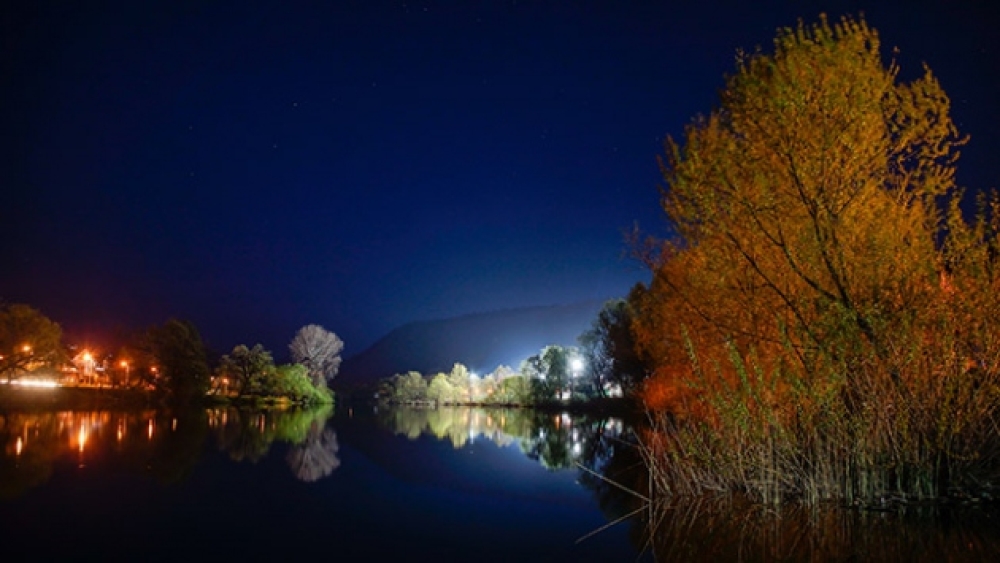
pixel 481 341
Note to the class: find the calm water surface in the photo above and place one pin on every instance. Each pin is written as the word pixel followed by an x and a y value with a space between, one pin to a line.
pixel 365 484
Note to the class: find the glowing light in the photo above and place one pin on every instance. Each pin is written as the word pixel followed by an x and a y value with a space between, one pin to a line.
pixel 41 383
pixel 26 349
pixel 87 357
pixel 149 432
pixel 81 438
pixel 19 446
pixel 119 433
pixel 577 365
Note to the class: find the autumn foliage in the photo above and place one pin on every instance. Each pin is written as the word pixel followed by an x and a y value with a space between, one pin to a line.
pixel 823 324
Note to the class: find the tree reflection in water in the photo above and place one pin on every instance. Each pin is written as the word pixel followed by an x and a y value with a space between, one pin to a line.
pixel 316 457
pixel 557 441
pixel 249 436
pixel 165 444
pixel 718 529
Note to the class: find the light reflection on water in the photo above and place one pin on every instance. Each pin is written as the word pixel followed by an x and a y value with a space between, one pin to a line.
pixel 152 440
pixel 167 445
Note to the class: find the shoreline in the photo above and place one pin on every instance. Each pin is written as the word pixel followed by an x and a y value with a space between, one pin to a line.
pixel 73 398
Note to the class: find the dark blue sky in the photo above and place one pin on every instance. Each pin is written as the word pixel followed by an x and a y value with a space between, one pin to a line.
pixel 256 166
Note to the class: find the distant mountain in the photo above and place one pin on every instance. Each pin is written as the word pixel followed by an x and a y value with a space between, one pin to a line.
pixel 480 341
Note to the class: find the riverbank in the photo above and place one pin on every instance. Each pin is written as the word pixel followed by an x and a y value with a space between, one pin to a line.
pixel 72 398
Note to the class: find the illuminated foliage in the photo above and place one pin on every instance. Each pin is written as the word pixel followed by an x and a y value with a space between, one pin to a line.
pixel 319 350
pixel 28 340
pixel 246 367
pixel 815 296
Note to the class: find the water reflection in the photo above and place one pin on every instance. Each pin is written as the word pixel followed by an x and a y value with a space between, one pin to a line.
pixel 168 445
pixel 718 529
pixel 729 530
pixel 316 457
pixel 555 440
pixel 35 442
pixel 164 444
pixel 602 446
pixel 250 435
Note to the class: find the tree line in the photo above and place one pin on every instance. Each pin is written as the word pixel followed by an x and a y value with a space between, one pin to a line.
pixel 605 364
pixel 171 361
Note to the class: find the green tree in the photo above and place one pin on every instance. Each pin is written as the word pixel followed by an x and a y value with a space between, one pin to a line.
pixel 461 383
pixel 514 390
pixel 247 368
pixel 439 390
pixel 410 387
pixel 292 381
pixel 610 349
pixel 535 374
pixel 28 340
pixel 181 360
pixel 549 372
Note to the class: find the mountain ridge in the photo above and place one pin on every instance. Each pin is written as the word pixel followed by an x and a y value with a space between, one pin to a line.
pixel 481 341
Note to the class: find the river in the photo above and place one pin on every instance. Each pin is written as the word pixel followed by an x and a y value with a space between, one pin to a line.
pixel 392 484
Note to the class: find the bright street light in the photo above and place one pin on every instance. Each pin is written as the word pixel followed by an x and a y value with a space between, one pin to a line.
pixel 576 366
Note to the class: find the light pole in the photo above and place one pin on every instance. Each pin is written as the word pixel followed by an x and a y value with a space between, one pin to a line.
pixel 125 365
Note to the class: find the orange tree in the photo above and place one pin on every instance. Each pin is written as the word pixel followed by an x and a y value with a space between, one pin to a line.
pixel 812 317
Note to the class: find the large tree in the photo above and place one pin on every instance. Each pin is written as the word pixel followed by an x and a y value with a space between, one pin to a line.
pixel 824 312
pixel 805 207
pixel 610 350
pixel 319 350
pixel 246 367
pixel 28 339
pixel 180 357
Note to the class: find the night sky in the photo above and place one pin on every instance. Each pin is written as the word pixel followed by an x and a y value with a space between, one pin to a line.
pixel 257 166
